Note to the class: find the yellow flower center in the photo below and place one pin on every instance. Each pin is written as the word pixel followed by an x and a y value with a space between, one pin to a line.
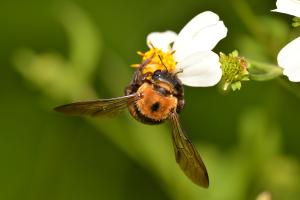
pixel 157 60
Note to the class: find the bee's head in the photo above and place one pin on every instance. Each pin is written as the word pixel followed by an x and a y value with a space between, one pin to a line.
pixel 158 75
pixel 163 77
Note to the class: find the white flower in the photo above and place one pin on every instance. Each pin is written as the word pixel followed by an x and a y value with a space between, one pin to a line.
pixel 290 7
pixel 289 59
pixel 193 49
pixel 289 56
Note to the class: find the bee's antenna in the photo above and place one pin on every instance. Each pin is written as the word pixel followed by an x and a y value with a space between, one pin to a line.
pixel 178 72
pixel 162 62
pixel 150 43
pixel 160 58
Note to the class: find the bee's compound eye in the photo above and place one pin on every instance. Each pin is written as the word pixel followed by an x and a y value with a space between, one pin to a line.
pixel 156 75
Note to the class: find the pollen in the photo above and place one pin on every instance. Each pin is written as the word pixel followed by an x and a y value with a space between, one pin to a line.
pixel 158 60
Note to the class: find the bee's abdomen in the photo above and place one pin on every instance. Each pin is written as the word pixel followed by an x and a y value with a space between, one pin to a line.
pixel 138 115
pixel 153 107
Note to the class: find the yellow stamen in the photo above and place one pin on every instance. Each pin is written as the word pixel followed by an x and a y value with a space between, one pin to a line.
pixel 140 53
pixel 159 60
pixel 135 65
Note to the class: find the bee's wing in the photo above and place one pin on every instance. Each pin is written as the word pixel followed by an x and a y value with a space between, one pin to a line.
pixel 98 107
pixel 186 154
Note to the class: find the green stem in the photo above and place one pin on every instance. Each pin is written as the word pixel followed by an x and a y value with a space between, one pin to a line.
pixel 296 22
pixel 261 71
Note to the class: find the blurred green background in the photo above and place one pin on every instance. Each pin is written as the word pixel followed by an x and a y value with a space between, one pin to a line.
pixel 54 52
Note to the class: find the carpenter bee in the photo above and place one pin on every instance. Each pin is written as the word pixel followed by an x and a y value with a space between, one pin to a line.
pixel 153 96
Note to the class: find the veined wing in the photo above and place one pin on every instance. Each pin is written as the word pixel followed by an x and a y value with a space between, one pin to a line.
pixel 186 154
pixel 98 107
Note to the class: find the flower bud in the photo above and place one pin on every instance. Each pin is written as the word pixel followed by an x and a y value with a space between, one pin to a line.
pixel 234 69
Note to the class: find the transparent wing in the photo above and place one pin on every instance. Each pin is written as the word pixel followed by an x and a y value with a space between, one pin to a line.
pixel 186 154
pixel 98 107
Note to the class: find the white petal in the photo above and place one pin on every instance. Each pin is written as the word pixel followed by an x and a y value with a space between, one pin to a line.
pixel 289 59
pixel 161 40
pixel 202 33
pixel 201 69
pixel 293 75
pixel 291 7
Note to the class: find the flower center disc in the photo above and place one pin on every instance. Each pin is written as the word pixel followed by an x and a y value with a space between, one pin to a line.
pixel 159 60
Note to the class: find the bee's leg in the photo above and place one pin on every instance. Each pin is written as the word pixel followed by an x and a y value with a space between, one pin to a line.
pixel 130 89
pixel 138 78
pixel 180 104
pixel 145 76
pixel 145 63
pixel 137 81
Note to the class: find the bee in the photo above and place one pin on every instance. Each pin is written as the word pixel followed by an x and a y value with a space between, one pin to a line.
pixel 152 97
